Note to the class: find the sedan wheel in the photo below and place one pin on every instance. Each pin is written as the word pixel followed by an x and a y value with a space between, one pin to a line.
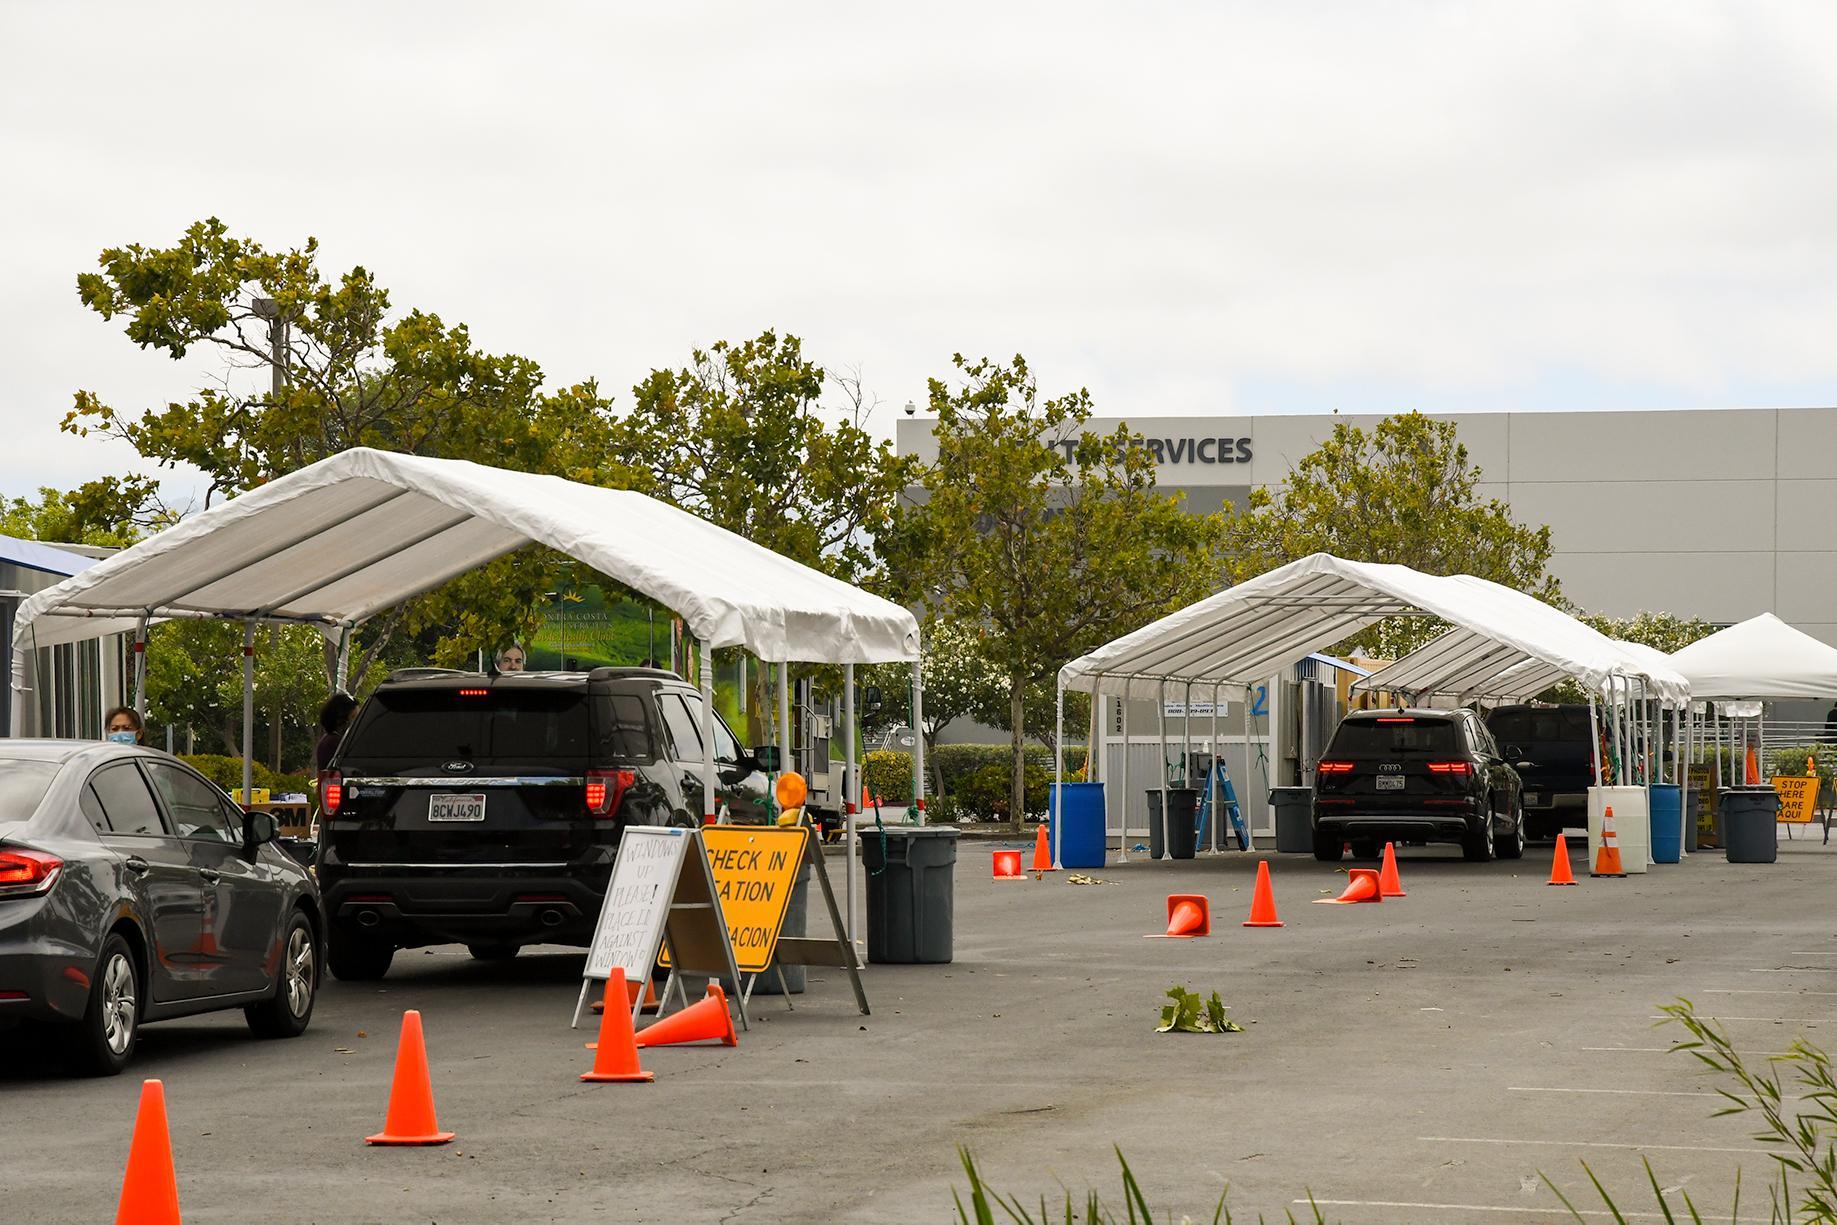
pixel 103 1041
pixel 120 1007
pixel 287 1012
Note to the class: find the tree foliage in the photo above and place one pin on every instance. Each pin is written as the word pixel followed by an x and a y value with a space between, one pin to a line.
pixel 1406 492
pixel 109 511
pixel 1048 556
pixel 1662 631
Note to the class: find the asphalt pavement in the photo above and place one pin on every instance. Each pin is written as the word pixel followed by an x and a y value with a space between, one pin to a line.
pixel 1426 1059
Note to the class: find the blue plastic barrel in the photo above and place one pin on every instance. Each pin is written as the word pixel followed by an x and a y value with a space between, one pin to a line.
pixel 1667 823
pixel 1079 824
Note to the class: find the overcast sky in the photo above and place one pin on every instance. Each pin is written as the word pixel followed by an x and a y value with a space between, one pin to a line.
pixel 1199 209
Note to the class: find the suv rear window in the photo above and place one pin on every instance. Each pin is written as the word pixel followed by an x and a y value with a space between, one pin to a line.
pixel 1539 726
pixel 1398 735
pixel 437 724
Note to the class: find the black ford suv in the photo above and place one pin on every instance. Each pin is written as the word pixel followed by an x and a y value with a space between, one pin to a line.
pixel 1550 748
pixel 1416 776
pixel 486 810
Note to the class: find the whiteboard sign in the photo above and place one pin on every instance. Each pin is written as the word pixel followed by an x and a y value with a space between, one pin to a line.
pixel 637 902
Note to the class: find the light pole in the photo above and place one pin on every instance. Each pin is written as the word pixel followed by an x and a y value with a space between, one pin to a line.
pixel 279 331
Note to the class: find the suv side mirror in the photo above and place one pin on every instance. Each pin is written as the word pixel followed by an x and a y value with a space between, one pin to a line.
pixel 259 828
pixel 767 756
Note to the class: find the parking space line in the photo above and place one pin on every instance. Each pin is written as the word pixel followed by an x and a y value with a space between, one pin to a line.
pixel 1791 970
pixel 1759 991
pixel 1806 953
pixel 1513 1208
pixel 1773 1020
pixel 1667 1050
pixel 1627 1092
pixel 1637 1148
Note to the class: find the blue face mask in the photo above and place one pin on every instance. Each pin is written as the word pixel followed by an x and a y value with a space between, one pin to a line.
pixel 122 737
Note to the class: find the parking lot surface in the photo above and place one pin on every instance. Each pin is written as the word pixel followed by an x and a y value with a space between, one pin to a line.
pixel 1425 1059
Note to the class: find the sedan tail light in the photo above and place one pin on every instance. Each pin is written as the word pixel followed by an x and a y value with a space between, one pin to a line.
pixel 1333 767
pixel 605 788
pixel 331 792
pixel 1451 767
pixel 26 873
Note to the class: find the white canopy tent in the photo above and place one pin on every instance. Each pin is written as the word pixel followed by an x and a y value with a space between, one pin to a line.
pixel 339 541
pixel 1761 657
pixel 1245 634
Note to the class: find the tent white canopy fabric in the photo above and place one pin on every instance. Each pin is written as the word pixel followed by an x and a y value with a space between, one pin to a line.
pixel 1762 657
pixel 339 541
pixel 1466 664
pixel 1245 634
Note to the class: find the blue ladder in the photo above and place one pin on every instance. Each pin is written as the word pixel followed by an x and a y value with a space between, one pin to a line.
pixel 1232 811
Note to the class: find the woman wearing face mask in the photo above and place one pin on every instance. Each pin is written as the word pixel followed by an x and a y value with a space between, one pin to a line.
pixel 124 726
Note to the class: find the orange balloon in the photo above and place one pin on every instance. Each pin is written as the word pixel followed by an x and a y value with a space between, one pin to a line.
pixel 792 789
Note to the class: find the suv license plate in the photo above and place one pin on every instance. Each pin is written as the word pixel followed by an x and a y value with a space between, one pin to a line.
pixel 1390 782
pixel 1533 799
pixel 456 807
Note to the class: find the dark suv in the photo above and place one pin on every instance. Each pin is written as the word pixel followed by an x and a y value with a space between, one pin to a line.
pixel 1416 776
pixel 1549 746
pixel 486 810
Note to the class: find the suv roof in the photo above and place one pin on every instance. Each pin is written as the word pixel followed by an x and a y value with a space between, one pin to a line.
pixel 446 678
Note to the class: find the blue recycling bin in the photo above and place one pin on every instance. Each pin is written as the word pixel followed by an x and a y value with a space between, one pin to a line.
pixel 1077 814
pixel 1667 823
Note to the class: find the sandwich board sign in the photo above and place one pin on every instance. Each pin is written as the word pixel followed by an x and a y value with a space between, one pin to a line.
pixel 661 895
pixel 1798 798
pixel 755 869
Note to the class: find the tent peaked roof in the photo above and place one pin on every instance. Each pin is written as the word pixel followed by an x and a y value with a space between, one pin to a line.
pixel 340 540
pixel 1247 633
pixel 1762 657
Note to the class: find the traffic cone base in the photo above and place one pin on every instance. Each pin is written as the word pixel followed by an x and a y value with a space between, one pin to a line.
pixel 1607 858
pixel 1263 902
pixel 1006 865
pixel 1042 853
pixel 411 1097
pixel 149 1188
pixel 701 1021
pixel 1559 864
pixel 1188 915
pixel 615 1056
pixel 1389 883
pixel 1361 886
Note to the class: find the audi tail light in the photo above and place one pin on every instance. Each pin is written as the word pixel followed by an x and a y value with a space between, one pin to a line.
pixel 605 788
pixel 331 792
pixel 1333 767
pixel 1451 767
pixel 26 873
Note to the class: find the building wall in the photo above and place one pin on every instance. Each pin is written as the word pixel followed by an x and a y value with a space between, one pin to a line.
pixel 1719 514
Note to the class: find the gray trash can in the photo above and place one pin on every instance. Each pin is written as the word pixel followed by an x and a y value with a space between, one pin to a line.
pixel 1294 818
pixel 911 891
pixel 797 923
pixel 1750 824
pixel 1182 822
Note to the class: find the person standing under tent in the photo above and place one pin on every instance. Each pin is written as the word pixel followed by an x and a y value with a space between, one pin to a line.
pixel 334 717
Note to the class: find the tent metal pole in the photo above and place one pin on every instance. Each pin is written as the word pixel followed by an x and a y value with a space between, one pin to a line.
pixel 1122 829
pixel 706 681
pixel 849 786
pixel 1161 724
pixel 140 667
pixel 1594 735
pixel 341 678
pixel 248 712
pixel 1186 735
pixel 1218 755
pixel 785 760
pixel 918 737
pixel 1058 777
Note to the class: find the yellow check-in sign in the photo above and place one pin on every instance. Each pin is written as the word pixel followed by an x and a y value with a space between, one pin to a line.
pixel 755 868
pixel 1798 799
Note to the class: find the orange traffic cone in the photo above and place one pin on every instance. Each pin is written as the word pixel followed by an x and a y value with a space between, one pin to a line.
pixel 150 1189
pixel 1006 865
pixel 1559 865
pixel 1263 902
pixel 1042 853
pixel 1361 886
pixel 615 1056
pixel 1752 767
pixel 1607 859
pixel 1188 914
pixel 631 997
pixel 1389 883
pixel 706 1018
pixel 411 1097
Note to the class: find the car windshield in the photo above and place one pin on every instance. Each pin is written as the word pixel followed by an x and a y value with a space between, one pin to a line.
pixel 436 725
pixel 22 787
pixel 1395 735
pixel 1539 725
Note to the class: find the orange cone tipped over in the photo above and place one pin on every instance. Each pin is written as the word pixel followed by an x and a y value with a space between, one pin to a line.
pixel 1559 865
pixel 1263 902
pixel 1188 915
pixel 701 1021
pixel 1006 865
pixel 1389 883
pixel 615 1058
pixel 150 1188
pixel 411 1098
pixel 1361 886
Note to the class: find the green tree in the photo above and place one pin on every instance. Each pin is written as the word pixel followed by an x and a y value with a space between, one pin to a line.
pixel 1048 554
pixel 321 364
pixel 960 681
pixel 1407 492
pixel 742 437
pixel 110 511
pixel 1661 631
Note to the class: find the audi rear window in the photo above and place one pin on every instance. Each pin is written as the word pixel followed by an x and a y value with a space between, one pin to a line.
pixel 1396 736
pixel 446 724
pixel 1551 725
pixel 22 787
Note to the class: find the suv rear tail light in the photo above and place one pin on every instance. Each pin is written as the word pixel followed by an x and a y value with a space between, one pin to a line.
pixel 1333 767
pixel 26 873
pixel 331 792
pixel 605 788
pixel 1450 767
